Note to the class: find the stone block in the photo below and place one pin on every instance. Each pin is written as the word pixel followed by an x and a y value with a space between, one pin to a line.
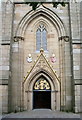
pixel 4 100
pixel 76 46
pixel 76 57
pixel 77 67
pixel 4 74
pixel 77 74
pixel 75 63
pixel 77 51
pixel 4 67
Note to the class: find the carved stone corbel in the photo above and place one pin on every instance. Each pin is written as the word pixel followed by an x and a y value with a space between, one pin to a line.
pixel 18 38
pixel 65 38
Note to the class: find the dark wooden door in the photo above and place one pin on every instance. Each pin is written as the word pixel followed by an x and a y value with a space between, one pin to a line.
pixel 41 99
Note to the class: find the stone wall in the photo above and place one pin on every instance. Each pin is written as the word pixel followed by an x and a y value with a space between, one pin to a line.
pixel 6 19
pixel 52 44
pixel 77 51
pixel 77 75
pixel 0 57
pixel 13 67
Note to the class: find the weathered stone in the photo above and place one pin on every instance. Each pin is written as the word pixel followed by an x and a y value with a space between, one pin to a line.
pixel 20 74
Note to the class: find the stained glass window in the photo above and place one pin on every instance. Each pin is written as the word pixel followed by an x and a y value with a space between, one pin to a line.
pixel 42 84
pixel 41 38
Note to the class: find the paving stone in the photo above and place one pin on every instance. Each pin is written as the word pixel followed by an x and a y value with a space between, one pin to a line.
pixel 42 113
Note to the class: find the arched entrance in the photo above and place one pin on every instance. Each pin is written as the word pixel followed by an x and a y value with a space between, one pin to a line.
pixel 42 91
pixel 42 94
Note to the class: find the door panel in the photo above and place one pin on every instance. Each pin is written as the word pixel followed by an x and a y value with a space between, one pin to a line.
pixel 42 99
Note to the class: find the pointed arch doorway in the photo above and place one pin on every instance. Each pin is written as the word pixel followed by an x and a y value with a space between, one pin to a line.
pixel 43 91
pixel 41 94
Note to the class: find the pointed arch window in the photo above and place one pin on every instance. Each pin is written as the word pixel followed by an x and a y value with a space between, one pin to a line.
pixel 41 38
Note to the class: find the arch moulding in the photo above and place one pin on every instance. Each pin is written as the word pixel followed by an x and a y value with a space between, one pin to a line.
pixel 48 14
pixel 35 75
pixel 55 90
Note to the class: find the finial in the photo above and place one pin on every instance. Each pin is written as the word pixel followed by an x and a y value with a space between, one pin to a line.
pixel 41 50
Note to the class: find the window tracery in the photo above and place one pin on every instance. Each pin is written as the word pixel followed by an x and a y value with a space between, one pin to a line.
pixel 41 84
pixel 41 38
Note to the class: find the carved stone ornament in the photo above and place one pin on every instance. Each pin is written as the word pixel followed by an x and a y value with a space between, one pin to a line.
pixel 9 2
pixel 53 58
pixel 41 84
pixel 40 64
pixel 29 58
pixel 41 50
pixel 17 38
pixel 65 38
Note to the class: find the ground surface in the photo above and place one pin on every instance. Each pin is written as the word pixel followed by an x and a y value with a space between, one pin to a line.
pixel 41 113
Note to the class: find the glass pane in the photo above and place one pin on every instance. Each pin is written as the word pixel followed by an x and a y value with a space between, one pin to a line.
pixel 44 39
pixel 38 39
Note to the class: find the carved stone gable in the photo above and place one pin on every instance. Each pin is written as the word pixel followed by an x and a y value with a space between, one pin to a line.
pixel 41 64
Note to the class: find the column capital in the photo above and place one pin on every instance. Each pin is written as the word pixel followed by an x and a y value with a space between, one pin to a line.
pixel 65 38
pixel 18 38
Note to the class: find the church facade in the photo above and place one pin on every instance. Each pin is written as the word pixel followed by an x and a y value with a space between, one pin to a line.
pixel 40 60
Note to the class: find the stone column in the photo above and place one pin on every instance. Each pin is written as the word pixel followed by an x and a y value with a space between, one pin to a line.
pixel 62 71
pixel 17 73
pixel 68 75
pixel 21 74
pixel 65 73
